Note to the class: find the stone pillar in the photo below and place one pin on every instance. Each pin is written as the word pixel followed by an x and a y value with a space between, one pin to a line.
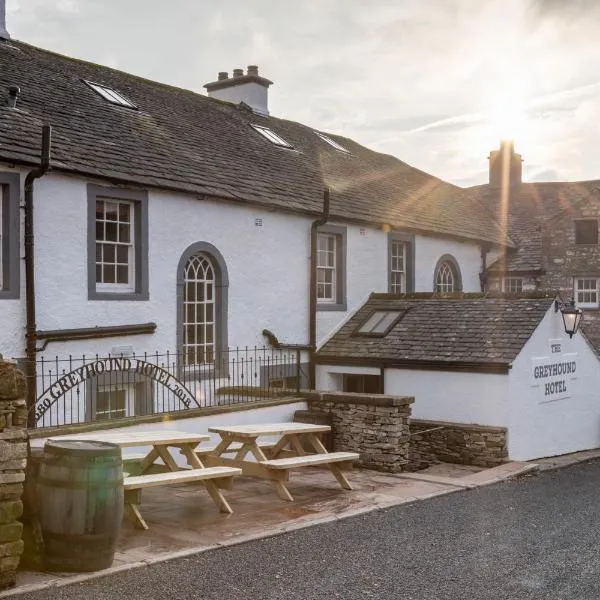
pixel 13 461
pixel 374 425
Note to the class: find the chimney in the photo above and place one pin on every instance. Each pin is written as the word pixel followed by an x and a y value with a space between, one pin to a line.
pixel 506 166
pixel 4 35
pixel 251 88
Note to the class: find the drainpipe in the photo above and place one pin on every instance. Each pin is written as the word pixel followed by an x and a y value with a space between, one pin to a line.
pixel 312 310
pixel 485 248
pixel 30 328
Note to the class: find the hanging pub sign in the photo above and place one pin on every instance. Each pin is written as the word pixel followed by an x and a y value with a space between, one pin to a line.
pixel 554 373
pixel 103 366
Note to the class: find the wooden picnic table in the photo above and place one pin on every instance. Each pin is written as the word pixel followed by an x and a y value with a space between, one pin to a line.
pixel 160 442
pixel 273 461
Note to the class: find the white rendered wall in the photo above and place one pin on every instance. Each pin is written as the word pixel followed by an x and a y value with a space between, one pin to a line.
pixel 428 252
pixel 539 427
pixel 366 272
pixel 282 413
pixel 252 93
pixel 477 398
pixel 268 270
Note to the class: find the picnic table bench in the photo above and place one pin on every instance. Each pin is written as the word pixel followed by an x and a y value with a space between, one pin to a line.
pixel 275 460
pixel 213 478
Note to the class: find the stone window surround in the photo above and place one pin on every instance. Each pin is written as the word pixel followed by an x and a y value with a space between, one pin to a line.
pixel 221 302
pixel 340 233
pixel 139 198
pixel 409 259
pixel 10 193
pixel 448 258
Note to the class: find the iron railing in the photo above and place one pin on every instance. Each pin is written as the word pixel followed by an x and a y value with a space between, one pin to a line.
pixel 86 389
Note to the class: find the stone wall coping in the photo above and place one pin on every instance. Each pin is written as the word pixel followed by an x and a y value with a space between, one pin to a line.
pixel 353 398
pixel 452 425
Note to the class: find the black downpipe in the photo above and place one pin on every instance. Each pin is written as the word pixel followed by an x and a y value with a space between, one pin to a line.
pixel 30 328
pixel 312 310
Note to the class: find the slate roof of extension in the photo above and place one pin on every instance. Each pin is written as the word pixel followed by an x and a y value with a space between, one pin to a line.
pixel 469 331
pixel 530 208
pixel 181 140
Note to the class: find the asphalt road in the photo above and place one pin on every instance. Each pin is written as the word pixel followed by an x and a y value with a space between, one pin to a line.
pixel 534 538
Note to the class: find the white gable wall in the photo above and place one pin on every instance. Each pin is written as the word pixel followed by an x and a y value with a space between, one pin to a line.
pixel 541 425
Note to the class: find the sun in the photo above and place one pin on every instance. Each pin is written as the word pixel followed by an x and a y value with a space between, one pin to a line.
pixel 506 119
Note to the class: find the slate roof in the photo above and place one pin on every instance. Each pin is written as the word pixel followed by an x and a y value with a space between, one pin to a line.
pixel 530 207
pixel 181 140
pixel 468 331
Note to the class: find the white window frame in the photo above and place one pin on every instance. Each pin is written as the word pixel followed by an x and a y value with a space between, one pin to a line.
pixel 110 95
pixel 327 268
pixel 508 282
pixel 395 287
pixel 589 290
pixel 445 280
pixel 332 143
pixel 130 285
pixel 270 135
pixel 207 348
pixel 129 408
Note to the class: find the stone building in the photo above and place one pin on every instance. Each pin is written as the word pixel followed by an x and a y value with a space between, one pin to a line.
pixel 554 227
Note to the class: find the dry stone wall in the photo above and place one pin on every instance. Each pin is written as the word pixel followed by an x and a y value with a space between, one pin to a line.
pixel 374 425
pixel 436 441
pixel 13 462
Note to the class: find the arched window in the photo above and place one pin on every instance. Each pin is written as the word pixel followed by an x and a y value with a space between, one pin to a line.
pixel 447 276
pixel 202 302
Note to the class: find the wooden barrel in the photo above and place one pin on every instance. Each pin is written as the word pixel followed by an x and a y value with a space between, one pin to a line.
pixel 80 488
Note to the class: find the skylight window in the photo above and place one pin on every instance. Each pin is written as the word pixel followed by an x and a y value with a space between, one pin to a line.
pixel 111 95
pixel 271 136
pixel 380 322
pixel 332 142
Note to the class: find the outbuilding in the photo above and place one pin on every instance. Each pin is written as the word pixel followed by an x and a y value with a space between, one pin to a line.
pixel 501 364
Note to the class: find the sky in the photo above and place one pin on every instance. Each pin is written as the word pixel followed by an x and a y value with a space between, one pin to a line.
pixel 436 83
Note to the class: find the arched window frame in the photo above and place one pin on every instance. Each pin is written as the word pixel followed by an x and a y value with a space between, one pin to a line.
pixel 448 259
pixel 221 304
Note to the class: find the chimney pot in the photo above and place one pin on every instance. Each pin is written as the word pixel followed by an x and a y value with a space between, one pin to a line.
pixel 252 70
pixel 238 72
pixel 223 75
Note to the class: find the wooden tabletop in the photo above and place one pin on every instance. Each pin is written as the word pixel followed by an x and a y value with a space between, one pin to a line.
pixel 251 431
pixel 126 439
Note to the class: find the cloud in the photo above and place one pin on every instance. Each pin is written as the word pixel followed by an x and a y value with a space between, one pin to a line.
pixel 414 78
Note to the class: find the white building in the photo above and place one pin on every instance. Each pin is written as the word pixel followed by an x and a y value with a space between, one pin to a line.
pixel 172 222
pixel 495 362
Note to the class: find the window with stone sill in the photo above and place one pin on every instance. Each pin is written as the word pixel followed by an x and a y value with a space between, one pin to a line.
pixel 331 268
pixel 117 244
pixel 586 292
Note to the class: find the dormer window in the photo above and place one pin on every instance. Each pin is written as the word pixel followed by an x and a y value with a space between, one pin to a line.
pixel 270 135
pixel 111 95
pixel 332 143
pixel 586 231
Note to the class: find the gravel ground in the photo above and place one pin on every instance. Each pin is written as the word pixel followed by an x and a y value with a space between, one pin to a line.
pixel 536 538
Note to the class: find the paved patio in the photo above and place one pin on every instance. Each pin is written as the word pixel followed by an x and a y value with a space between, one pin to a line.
pixel 183 519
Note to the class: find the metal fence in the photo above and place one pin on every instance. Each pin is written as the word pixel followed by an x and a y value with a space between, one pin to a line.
pixel 85 389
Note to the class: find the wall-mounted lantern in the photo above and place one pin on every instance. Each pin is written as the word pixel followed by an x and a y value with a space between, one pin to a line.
pixel 571 315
